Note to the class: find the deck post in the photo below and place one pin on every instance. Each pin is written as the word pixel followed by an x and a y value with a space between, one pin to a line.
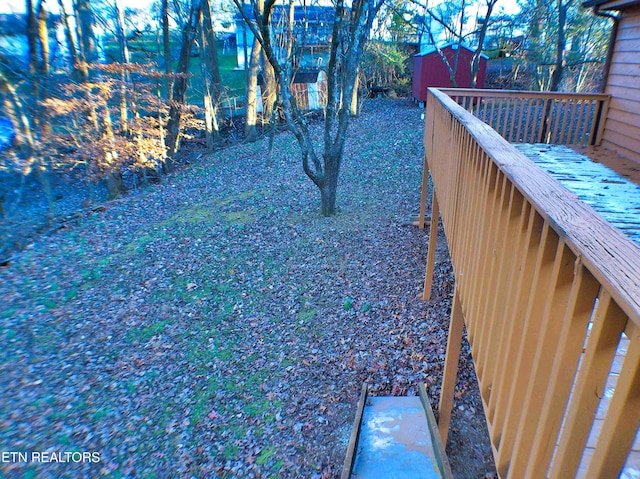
pixel 431 253
pixel 423 197
pixel 454 344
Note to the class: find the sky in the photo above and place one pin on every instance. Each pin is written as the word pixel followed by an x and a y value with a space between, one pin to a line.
pixel 7 6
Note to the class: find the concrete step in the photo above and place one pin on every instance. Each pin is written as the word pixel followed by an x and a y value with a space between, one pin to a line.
pixel 395 437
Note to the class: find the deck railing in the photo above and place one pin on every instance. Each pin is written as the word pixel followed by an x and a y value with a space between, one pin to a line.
pixel 538 117
pixel 549 294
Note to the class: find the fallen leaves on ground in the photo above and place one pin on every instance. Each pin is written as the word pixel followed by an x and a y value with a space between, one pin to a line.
pixel 217 326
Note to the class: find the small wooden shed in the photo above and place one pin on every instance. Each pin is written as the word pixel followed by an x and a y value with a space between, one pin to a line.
pixel 429 70
pixel 309 88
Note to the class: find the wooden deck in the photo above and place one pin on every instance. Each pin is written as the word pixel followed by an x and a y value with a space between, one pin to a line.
pixel 615 197
pixel 547 290
pixel 624 167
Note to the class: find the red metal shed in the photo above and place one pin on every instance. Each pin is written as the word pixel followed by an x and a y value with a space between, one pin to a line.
pixel 430 70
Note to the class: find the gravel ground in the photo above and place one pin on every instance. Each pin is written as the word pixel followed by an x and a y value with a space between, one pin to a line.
pixel 217 326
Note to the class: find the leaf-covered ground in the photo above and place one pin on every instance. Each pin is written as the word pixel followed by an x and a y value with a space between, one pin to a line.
pixel 217 326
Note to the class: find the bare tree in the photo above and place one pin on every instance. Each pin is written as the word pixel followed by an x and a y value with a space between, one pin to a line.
pixel 85 25
pixel 43 39
pixel 71 42
pixel 351 28
pixel 556 76
pixel 121 34
pixel 180 83
pixel 481 35
pixel 166 45
pixel 251 117
pixel 32 37
pixel 211 77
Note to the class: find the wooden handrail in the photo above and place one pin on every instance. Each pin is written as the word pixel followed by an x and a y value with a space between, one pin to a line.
pixel 537 117
pixel 539 274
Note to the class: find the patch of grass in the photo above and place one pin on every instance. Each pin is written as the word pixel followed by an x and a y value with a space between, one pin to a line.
pixel 71 293
pixel 307 314
pixel 89 275
pixel 257 407
pixel 203 400
pixel 195 214
pixel 130 387
pixel 240 217
pixel 230 451
pixel 348 304
pixel 104 261
pixel 148 332
pixel 137 246
pixel 240 196
pixel 48 304
pixel 29 473
pixel 265 455
pixel 8 312
pixel 117 474
pixel 99 414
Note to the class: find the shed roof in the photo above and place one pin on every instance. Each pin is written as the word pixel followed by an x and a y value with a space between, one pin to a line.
pixel 451 45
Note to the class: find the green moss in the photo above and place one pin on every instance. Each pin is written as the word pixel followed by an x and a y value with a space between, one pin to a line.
pixel 148 332
pixel 230 451
pixel 265 455
pixel 240 217
pixel 7 313
pixel 99 414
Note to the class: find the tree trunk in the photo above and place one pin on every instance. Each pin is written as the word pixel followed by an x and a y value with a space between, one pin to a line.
pixel 533 55
pixel 250 130
pixel 44 127
pixel 556 76
pixel 84 24
pixel 115 182
pixel 211 77
pixel 43 37
pixel 181 83
pixel 353 111
pixel 270 91
pixel 32 38
pixel 124 76
pixel 71 44
pixel 475 63
pixel 329 187
pixel 166 43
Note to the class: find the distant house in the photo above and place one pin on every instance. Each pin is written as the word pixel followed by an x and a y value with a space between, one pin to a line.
pixel 429 70
pixel 312 27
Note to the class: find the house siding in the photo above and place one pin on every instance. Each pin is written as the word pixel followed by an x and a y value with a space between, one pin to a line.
pixel 622 130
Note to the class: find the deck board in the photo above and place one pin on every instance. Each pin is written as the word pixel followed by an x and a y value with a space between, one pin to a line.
pixel 614 197
pixel 623 166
